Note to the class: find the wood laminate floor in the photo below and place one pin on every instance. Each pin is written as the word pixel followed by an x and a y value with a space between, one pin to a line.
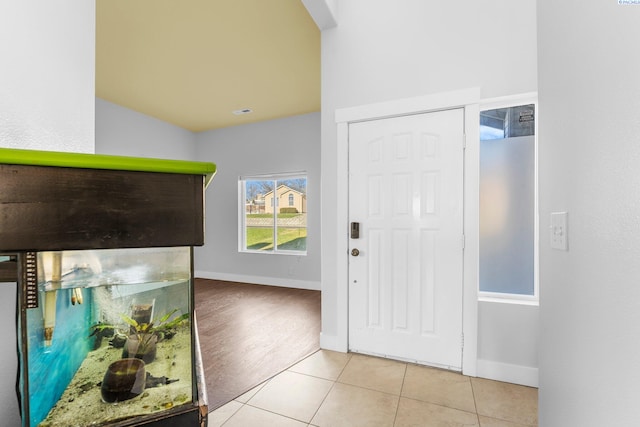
pixel 249 333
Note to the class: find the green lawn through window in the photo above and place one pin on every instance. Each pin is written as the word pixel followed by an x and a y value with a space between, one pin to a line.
pixel 261 238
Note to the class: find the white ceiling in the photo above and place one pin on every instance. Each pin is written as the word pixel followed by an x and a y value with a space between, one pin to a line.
pixel 193 62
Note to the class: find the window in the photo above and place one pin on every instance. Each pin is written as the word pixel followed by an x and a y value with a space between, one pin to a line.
pixel 508 223
pixel 280 225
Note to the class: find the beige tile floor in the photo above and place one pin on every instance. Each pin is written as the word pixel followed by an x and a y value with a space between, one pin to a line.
pixel 336 389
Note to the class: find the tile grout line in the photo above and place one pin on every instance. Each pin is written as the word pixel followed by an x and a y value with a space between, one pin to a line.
pixel 332 387
pixel 404 377
pixel 475 404
pixel 231 416
pixel 306 375
pixel 322 403
pixel 273 412
pixel 243 404
pixel 261 386
pixel 278 414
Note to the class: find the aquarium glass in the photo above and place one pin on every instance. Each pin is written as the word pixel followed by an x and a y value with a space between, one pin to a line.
pixel 111 337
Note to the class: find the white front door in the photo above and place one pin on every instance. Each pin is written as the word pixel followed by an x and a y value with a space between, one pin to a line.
pixel 406 265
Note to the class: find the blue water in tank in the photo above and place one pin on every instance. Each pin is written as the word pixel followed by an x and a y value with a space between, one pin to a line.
pixel 52 368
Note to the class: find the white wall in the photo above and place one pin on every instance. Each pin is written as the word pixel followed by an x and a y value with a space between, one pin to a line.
pixel 589 141
pixel 124 132
pixel 381 51
pixel 508 342
pixel 47 72
pixel 283 145
pixel 47 57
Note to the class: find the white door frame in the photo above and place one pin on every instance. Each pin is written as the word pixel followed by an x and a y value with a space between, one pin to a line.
pixel 469 100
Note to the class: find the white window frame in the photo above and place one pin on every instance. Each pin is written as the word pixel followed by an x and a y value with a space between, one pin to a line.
pixel 242 239
pixel 506 102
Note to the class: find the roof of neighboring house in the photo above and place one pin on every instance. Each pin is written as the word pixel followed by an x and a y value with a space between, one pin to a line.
pixel 289 189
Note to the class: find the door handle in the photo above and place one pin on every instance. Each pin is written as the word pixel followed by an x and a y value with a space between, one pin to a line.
pixel 355 252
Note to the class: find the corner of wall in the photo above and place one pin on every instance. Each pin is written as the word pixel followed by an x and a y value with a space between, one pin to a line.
pixel 323 12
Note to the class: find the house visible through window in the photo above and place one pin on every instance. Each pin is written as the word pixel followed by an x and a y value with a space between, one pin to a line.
pixel 508 202
pixel 280 225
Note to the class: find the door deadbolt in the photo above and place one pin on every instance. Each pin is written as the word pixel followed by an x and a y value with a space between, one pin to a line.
pixel 355 230
pixel 355 252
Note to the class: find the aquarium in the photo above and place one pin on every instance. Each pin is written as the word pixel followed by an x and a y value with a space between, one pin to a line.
pixel 101 250
pixel 107 335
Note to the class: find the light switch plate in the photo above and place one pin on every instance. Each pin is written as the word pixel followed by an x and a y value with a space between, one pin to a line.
pixel 559 232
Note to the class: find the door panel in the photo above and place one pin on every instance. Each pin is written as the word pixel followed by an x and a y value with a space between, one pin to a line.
pixel 406 191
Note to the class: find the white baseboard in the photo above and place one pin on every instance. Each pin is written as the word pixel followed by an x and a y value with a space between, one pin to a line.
pixel 516 374
pixel 260 280
pixel 331 342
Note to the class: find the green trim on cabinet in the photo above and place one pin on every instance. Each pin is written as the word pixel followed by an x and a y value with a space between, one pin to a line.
pixel 107 162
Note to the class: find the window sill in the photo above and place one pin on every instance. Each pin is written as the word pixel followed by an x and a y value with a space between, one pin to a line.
pixel 289 253
pixel 508 299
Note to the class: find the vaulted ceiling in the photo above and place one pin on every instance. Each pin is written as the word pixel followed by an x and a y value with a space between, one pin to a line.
pixel 193 63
